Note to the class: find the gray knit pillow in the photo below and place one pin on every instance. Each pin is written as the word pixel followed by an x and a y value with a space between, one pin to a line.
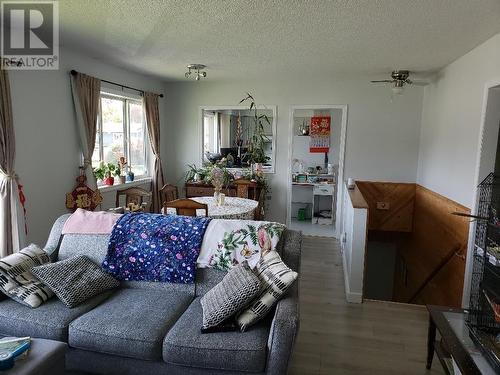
pixel 75 280
pixel 234 292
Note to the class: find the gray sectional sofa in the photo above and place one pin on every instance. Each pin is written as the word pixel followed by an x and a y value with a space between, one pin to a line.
pixel 154 328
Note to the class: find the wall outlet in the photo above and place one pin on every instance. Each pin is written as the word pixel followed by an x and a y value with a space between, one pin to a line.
pixel 383 205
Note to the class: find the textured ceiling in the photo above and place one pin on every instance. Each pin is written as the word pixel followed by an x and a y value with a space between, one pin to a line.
pixel 256 38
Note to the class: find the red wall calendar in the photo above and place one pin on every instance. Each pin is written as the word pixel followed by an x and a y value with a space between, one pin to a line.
pixel 320 134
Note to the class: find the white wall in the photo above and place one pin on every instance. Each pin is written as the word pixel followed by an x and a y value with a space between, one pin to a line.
pixel 450 145
pixel 301 144
pixel 47 144
pixel 451 123
pixel 490 133
pixel 382 137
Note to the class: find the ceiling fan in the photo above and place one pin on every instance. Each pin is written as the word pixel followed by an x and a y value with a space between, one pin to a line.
pixel 400 80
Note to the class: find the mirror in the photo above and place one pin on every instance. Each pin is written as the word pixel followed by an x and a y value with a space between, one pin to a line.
pixel 227 131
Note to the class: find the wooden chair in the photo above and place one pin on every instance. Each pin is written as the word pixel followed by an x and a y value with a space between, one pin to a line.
pixel 185 207
pixel 169 193
pixel 260 211
pixel 246 189
pixel 135 195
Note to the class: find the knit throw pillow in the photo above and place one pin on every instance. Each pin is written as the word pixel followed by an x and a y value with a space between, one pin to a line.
pixel 75 280
pixel 275 278
pixel 233 293
pixel 17 281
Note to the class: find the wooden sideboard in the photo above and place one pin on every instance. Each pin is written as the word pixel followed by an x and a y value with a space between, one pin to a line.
pixel 196 189
pixel 200 189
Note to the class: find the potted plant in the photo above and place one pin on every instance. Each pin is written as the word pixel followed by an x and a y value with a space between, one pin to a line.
pixel 106 173
pixel 256 155
pixel 261 180
pixel 195 174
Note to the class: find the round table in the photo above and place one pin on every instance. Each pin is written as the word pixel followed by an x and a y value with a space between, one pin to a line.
pixel 233 208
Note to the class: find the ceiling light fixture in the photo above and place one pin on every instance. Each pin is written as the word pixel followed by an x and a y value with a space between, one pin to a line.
pixel 399 80
pixel 397 90
pixel 196 70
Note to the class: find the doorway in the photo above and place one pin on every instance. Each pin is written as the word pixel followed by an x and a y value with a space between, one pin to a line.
pixel 317 136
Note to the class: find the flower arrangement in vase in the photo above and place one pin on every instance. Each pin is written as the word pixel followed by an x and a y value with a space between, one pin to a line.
pixel 122 163
pixel 215 174
pixel 217 179
pixel 219 176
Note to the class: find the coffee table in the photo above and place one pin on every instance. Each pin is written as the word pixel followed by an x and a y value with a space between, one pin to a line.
pixel 46 357
pixel 455 348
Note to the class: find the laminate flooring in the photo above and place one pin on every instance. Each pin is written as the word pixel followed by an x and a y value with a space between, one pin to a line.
pixel 337 337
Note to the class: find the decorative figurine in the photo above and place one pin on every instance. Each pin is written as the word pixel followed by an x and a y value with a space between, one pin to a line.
pixel 83 196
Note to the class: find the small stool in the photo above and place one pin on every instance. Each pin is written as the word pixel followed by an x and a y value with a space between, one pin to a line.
pixel 45 357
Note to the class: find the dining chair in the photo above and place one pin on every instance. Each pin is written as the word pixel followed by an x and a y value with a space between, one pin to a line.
pixel 136 196
pixel 169 193
pixel 260 210
pixel 185 207
pixel 245 187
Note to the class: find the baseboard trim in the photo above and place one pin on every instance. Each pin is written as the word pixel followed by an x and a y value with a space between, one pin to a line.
pixel 350 297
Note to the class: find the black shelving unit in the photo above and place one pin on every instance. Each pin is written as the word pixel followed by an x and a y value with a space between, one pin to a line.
pixel 485 283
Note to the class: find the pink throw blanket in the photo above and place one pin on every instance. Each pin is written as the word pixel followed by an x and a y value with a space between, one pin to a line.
pixel 88 222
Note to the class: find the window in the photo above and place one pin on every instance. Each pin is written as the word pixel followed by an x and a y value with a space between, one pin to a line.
pixel 121 131
pixel 210 133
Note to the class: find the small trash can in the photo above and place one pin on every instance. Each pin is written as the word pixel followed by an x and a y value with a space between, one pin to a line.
pixel 301 214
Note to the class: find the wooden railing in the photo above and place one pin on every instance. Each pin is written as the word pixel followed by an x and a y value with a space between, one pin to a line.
pixel 427 270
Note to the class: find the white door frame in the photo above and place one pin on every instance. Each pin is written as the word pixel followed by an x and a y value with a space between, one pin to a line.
pixel 472 227
pixel 340 176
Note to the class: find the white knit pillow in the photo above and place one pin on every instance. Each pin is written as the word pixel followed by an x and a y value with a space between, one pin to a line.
pixel 17 281
pixel 275 278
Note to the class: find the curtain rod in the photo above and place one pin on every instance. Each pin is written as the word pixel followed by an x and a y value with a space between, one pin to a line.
pixel 74 73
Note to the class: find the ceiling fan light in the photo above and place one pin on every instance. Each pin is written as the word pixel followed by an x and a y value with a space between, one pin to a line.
pixel 397 90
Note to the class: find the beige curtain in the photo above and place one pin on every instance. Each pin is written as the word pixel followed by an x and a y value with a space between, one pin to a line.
pixel 153 124
pixel 86 93
pixel 12 220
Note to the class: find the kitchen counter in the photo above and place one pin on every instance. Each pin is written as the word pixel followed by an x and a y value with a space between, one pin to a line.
pixel 311 183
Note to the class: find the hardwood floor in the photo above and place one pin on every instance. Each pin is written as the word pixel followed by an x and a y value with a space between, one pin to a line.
pixel 340 338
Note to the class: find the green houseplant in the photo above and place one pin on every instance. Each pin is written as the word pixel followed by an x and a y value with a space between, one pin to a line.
pixel 204 173
pixel 195 174
pixel 106 173
pixel 256 155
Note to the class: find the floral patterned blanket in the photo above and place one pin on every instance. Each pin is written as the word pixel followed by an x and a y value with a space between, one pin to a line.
pixel 151 247
pixel 230 242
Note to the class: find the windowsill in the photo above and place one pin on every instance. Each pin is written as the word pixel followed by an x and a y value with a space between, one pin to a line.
pixel 137 182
